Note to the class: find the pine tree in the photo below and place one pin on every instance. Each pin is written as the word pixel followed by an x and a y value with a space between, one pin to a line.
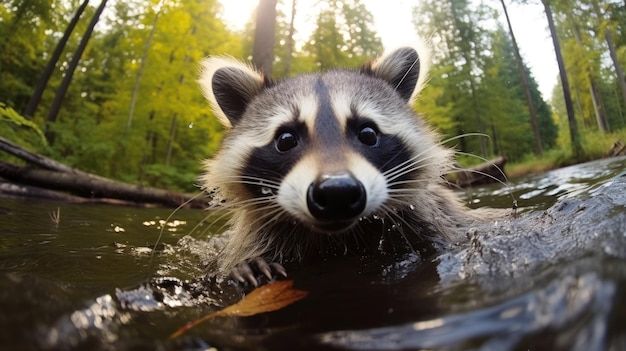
pixel 575 142
pixel 344 35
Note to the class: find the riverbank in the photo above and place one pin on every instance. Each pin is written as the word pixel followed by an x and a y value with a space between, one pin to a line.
pixel 595 146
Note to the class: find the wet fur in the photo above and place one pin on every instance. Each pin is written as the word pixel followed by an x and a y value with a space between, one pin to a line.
pixel 269 224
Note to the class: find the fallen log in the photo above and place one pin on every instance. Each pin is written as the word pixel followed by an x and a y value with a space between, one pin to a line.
pixel 34 158
pixel 618 149
pixel 20 190
pixel 91 187
pixel 485 173
pixel 56 176
pixel 8 189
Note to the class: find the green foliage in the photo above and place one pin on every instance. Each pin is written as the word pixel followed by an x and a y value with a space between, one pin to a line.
pixel 22 39
pixel 511 129
pixel 343 35
pixel 167 177
pixel 20 127
pixel 15 128
pixel 474 86
pixel 595 144
pixel 433 106
pixel 459 42
pixel 531 163
pixel 586 29
pixel 172 128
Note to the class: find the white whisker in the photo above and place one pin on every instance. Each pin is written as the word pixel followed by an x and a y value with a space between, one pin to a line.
pixel 279 208
pixel 391 213
pixel 156 243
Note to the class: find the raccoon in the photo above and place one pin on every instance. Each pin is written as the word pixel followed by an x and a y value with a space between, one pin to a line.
pixel 313 163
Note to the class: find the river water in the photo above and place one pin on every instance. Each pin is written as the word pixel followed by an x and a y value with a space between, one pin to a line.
pixel 552 276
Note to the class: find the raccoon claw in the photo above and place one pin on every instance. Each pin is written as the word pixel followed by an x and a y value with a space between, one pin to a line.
pixel 268 268
pixel 245 271
pixel 278 268
pixel 241 272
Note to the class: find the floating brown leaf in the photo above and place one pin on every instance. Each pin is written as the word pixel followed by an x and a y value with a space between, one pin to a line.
pixel 267 298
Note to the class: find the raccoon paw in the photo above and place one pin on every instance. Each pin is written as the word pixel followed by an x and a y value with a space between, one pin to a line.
pixel 245 271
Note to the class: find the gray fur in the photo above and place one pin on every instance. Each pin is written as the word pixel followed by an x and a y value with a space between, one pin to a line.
pixel 277 227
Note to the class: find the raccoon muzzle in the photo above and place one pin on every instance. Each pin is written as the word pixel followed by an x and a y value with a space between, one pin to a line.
pixel 336 200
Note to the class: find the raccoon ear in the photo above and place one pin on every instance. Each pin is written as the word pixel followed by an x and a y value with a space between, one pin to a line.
pixel 401 69
pixel 229 85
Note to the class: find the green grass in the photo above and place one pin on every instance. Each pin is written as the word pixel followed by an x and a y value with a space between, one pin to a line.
pixel 531 164
pixel 595 146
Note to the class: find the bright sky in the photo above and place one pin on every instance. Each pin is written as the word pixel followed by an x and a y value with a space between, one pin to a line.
pixel 393 24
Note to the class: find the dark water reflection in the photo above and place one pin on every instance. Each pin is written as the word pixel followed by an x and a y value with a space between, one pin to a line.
pixel 543 281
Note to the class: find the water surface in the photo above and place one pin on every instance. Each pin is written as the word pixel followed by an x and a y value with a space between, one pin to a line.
pixel 551 277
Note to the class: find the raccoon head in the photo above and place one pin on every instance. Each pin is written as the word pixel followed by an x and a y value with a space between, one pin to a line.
pixel 321 150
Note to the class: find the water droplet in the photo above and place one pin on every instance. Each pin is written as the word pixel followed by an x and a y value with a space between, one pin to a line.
pixel 412 207
pixel 266 191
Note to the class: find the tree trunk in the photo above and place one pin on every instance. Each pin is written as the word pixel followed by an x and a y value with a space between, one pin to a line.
pixel 596 97
pixel 290 42
pixel 576 145
pixel 67 79
pixel 147 155
pixel 92 186
pixel 619 71
pixel 170 142
pixel 522 72
pixel 608 37
pixel 487 172
pixel 264 36
pixel 620 111
pixel 576 95
pixel 598 106
pixel 468 56
pixel 142 64
pixel 481 126
pixel 57 176
pixel 38 160
pixel 35 99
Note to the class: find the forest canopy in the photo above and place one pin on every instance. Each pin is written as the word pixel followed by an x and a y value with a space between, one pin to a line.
pixel 133 111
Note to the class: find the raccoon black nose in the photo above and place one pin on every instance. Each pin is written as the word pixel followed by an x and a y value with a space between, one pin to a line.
pixel 334 197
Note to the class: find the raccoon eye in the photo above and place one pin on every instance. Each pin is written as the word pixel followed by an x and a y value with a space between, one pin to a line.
pixel 368 136
pixel 286 141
